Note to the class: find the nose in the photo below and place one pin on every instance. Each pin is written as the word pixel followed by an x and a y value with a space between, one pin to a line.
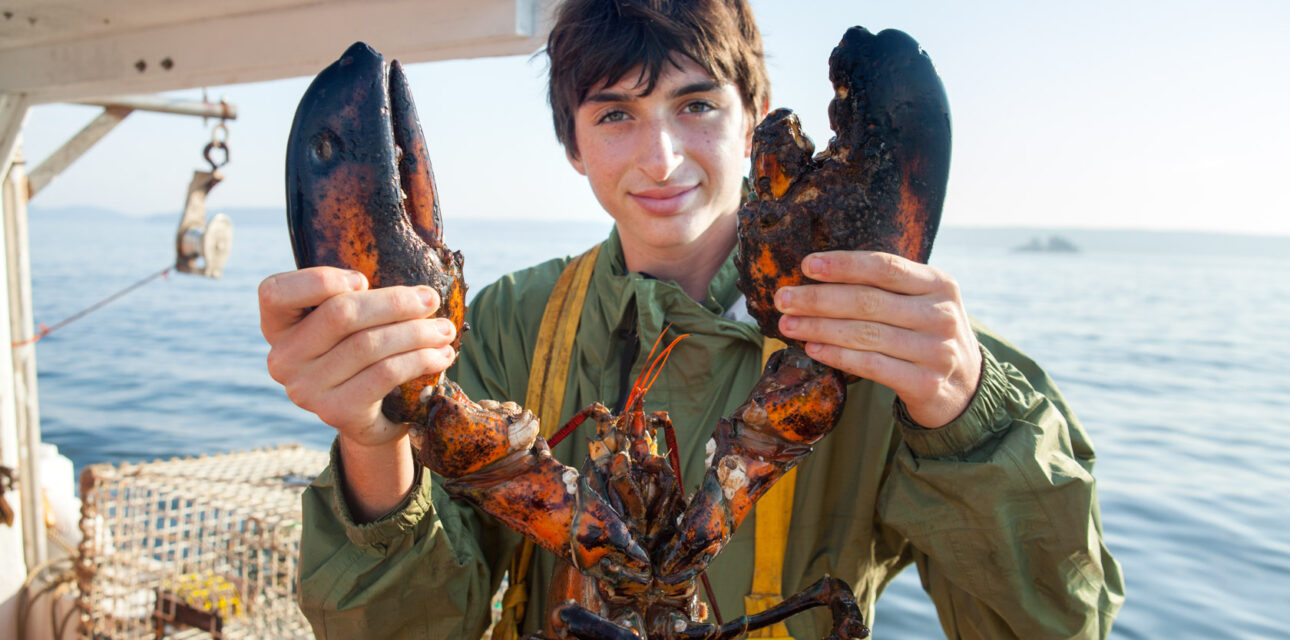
pixel 661 152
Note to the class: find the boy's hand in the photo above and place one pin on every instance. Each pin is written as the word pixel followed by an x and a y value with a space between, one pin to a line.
pixel 339 347
pixel 891 320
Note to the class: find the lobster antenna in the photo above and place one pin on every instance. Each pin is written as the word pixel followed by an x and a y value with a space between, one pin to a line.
pixel 657 367
pixel 636 388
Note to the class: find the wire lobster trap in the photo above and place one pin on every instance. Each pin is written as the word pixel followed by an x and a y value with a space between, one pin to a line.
pixel 209 543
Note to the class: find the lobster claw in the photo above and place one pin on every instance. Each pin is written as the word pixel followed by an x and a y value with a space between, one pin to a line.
pixel 878 186
pixel 361 192
pixel 796 402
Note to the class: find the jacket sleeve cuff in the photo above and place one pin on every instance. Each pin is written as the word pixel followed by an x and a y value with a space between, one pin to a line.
pixel 398 522
pixel 985 417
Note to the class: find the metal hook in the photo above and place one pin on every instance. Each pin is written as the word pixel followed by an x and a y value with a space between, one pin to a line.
pixel 219 133
pixel 212 147
pixel 219 140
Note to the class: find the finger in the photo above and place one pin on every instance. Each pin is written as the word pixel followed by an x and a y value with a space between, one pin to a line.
pixel 852 302
pixel 899 375
pixel 377 379
pixel 285 297
pixel 895 342
pixel 352 396
pixel 341 316
pixel 883 270
pixel 367 347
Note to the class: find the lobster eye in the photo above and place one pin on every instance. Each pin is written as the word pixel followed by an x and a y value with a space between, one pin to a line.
pixel 324 147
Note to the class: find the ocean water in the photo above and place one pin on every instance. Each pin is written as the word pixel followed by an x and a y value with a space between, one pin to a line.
pixel 1170 347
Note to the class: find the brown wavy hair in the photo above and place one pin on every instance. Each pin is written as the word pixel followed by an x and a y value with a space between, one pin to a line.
pixel 597 42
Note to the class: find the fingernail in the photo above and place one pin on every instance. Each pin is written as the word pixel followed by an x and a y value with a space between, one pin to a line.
pixel 815 266
pixel 357 280
pixel 783 299
pixel 446 327
pixel 788 323
pixel 428 297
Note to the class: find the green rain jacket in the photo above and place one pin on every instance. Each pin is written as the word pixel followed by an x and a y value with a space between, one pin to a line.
pixel 997 509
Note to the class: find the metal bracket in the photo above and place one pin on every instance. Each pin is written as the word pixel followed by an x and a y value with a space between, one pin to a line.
pixel 202 247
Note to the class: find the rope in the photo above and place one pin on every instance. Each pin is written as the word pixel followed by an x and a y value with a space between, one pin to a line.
pixel 58 577
pixel 46 330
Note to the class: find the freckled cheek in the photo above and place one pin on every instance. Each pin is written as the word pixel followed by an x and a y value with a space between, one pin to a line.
pixel 606 163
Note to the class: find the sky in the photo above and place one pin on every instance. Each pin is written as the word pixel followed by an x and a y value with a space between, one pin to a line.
pixel 1151 114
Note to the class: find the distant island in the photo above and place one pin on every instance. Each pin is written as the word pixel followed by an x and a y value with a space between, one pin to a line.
pixel 1055 244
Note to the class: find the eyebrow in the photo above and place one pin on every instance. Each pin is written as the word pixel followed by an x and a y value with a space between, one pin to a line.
pixel 701 86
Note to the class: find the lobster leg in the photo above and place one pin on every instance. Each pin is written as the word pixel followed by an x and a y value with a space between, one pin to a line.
pixel 492 455
pixel 571 620
pixel 827 591
pixel 596 411
pixel 794 404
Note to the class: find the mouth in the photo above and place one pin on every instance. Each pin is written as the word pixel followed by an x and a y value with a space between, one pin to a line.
pixel 665 200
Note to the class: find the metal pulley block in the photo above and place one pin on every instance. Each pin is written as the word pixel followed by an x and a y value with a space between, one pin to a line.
pixel 202 247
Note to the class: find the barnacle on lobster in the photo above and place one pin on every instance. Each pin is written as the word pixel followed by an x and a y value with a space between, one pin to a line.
pixel 878 186
pixel 361 193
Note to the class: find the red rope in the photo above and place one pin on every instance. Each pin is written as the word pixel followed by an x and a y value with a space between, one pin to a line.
pixel 46 330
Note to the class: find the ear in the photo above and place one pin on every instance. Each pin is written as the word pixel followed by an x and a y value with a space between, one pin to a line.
pixel 575 161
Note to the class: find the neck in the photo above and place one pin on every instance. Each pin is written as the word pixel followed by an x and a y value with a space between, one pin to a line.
pixel 692 265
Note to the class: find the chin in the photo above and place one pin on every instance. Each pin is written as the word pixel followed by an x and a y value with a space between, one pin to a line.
pixel 666 232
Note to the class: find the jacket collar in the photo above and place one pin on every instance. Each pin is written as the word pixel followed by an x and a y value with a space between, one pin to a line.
pixel 722 293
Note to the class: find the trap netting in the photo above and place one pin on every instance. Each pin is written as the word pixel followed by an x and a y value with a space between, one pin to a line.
pixel 206 543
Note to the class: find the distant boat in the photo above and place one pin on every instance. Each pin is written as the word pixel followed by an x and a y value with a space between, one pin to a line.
pixel 1055 244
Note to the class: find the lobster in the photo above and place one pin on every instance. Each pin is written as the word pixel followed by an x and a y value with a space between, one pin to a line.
pixel 634 546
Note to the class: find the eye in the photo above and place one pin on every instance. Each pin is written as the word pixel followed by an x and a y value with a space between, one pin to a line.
pixel 324 146
pixel 612 116
pixel 699 106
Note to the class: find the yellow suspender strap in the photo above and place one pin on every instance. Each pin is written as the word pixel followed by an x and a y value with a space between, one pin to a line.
pixel 774 513
pixel 545 398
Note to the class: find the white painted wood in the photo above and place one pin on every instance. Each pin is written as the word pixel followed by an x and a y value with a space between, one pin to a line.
pixel 114 112
pixel 21 329
pixel 162 104
pixel 27 22
pixel 72 149
pixel 13 565
pixel 13 114
pixel 202 47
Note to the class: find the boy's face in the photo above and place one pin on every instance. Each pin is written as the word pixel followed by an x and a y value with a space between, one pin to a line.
pixel 669 164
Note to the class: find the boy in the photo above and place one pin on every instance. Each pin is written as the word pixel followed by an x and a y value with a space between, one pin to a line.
pixel 954 452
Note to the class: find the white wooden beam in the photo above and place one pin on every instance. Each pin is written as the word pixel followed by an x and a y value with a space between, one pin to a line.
pixel 114 112
pixel 13 114
pixel 13 562
pixel 285 40
pixel 28 22
pixel 160 104
pixel 72 149
pixel 26 405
